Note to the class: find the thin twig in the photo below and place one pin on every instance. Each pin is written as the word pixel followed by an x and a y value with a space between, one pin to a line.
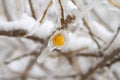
pixel 76 53
pixel 101 64
pixel 113 39
pixel 32 10
pixel 17 58
pixel 59 77
pixel 43 16
pixel 30 65
pixel 92 36
pixel 113 61
pixel 90 30
pixel 32 62
pixel 114 4
pixel 116 75
pixel 75 4
pixel 62 15
pixel 73 63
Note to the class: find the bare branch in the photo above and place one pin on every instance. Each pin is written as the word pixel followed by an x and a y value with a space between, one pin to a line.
pixel 116 76
pixel 118 30
pixel 32 9
pixel 101 64
pixel 114 4
pixel 113 61
pixel 74 64
pixel 17 58
pixel 62 15
pixel 92 35
pixel 44 13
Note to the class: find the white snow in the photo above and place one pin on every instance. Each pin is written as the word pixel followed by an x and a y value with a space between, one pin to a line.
pixel 25 22
pixel 45 29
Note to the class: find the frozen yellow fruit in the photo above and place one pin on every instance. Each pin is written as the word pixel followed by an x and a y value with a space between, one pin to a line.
pixel 58 40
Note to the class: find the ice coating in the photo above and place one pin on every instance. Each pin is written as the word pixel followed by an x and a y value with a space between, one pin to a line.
pixel 44 54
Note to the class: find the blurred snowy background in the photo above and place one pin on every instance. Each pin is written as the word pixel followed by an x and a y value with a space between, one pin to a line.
pixel 93 50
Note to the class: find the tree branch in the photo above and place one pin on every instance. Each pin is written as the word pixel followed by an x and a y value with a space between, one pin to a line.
pixel 44 13
pixel 101 64
pixel 20 33
pixel 20 28
pixel 32 9
pixel 62 15
pixel 114 4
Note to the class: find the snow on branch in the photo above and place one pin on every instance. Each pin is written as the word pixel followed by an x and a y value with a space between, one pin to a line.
pixel 19 28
